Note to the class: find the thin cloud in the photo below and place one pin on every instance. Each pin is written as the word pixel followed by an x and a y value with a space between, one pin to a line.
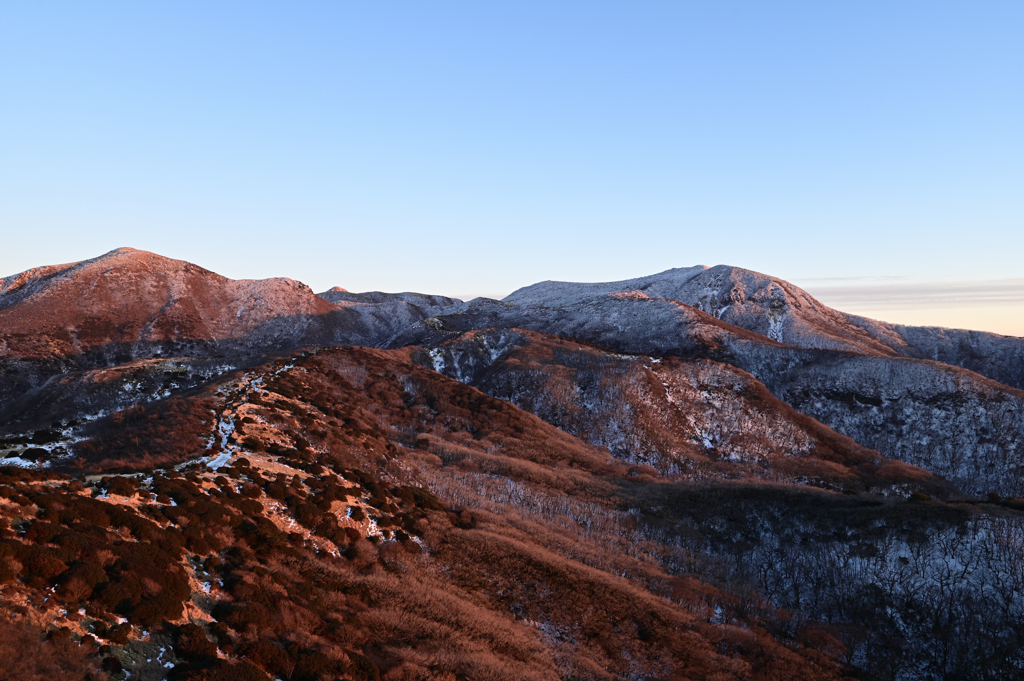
pixel 908 295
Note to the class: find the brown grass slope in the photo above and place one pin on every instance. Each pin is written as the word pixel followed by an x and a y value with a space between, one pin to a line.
pixel 325 555
pixel 130 296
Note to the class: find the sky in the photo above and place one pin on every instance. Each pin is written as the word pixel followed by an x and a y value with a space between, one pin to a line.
pixel 871 152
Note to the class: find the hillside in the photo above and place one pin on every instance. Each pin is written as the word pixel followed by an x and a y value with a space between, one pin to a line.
pixel 786 313
pixel 306 542
pixel 688 419
pixel 130 303
pixel 698 474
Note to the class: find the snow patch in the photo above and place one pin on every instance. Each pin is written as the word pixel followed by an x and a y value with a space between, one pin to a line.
pixel 437 359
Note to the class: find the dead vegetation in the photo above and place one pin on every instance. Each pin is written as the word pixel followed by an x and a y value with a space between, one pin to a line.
pixel 373 520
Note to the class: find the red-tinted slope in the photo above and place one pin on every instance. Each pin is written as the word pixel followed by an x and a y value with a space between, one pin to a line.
pixel 524 565
pixel 129 296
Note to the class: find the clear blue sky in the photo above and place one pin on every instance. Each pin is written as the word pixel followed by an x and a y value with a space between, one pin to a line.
pixel 469 148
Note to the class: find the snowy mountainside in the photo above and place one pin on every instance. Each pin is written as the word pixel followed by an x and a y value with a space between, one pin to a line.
pixel 703 473
pixel 346 514
pixel 426 302
pixel 561 293
pixel 756 302
pixel 995 356
pixel 947 420
pixel 130 305
pixel 689 419
pixel 943 418
pixel 786 313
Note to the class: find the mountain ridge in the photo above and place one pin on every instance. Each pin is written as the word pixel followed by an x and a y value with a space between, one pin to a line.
pixel 704 473
pixel 130 305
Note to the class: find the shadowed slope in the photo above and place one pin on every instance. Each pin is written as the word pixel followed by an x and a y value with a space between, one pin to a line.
pixel 689 419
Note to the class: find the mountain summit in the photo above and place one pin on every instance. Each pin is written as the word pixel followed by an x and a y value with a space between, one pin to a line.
pixel 140 303
pixel 786 313
pixel 130 297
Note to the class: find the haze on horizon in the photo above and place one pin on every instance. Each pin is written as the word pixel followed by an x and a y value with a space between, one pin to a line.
pixel 871 154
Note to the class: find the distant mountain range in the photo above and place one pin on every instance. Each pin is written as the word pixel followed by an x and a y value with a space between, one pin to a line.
pixel 949 401
pixel 702 424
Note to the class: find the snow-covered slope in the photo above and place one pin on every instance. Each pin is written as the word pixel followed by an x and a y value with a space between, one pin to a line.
pixel 425 302
pixel 941 417
pixel 753 301
pixel 665 284
pixel 786 313
pixel 900 390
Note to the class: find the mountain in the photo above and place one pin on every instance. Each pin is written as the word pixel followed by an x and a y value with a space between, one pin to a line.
pixel 703 473
pixel 130 305
pixel 685 418
pixel 425 303
pixel 128 297
pixel 353 515
pixel 750 300
pixel 783 312
pixel 941 417
pixel 144 304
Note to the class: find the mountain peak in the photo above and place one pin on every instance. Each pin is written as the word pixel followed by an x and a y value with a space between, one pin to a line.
pixel 119 251
pixel 129 296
